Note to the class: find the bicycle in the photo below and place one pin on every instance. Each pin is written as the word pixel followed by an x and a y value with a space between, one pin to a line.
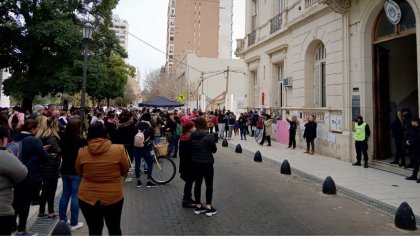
pixel 164 169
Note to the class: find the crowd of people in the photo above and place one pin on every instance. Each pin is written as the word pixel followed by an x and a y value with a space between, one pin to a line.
pixel 48 144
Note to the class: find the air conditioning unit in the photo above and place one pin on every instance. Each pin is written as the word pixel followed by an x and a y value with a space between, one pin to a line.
pixel 288 81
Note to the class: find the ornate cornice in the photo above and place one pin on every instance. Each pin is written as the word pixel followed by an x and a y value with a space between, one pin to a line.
pixel 339 6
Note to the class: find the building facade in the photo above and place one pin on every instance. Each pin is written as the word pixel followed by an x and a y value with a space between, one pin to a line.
pixel 225 29
pixel 120 28
pixel 335 59
pixel 200 26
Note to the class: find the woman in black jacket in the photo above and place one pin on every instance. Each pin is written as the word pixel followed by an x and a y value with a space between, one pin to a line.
pixel 185 162
pixel 310 134
pixel 51 169
pixel 203 147
pixel 126 130
pixel 294 123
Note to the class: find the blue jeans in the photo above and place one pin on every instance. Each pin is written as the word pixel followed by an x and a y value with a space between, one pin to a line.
pixel 70 189
pixel 173 145
pixel 145 153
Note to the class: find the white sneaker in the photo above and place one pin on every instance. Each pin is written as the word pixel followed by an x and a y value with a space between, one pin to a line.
pixel 78 226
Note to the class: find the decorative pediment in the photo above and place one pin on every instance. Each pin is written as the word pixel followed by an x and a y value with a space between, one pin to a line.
pixel 281 48
pixel 339 6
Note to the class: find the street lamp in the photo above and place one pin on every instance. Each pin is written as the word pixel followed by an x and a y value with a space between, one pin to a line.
pixel 87 36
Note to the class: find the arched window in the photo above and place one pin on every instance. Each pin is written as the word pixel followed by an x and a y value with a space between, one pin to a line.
pixel 385 29
pixel 320 93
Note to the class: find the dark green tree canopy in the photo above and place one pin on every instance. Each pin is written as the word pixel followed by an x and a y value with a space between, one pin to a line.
pixel 41 44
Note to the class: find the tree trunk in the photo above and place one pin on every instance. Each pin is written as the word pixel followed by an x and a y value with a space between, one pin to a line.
pixel 107 102
pixel 27 104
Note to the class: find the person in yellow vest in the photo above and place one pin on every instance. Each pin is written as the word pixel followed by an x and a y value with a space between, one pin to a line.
pixel 361 137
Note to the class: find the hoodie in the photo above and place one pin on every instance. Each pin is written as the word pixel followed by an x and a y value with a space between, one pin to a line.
pixel 203 147
pixel 101 165
pixel 33 155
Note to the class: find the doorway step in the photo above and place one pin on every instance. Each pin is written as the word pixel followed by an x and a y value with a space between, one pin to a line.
pixel 385 166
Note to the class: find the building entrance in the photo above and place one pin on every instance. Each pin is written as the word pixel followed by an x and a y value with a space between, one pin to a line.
pixel 395 85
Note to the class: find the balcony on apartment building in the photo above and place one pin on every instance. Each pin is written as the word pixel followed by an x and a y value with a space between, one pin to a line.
pixel 275 23
pixel 309 2
pixel 264 30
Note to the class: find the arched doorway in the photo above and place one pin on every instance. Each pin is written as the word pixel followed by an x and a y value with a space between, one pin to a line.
pixel 395 85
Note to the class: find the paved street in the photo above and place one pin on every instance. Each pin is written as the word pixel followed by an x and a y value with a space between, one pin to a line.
pixel 251 198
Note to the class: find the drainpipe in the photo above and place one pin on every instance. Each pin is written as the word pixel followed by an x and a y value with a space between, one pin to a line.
pixel 347 83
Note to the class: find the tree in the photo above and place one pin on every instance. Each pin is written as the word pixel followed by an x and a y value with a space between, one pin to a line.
pixel 41 44
pixel 108 77
pixel 158 84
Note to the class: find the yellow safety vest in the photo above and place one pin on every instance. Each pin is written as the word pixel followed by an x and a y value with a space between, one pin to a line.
pixel 360 134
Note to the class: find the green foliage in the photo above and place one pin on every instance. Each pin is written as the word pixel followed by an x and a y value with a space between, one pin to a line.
pixel 41 45
pixel 107 77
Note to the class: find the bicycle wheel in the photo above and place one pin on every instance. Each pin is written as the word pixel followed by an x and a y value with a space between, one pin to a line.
pixel 163 171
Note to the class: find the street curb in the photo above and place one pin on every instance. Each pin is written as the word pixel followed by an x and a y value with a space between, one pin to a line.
pixel 366 200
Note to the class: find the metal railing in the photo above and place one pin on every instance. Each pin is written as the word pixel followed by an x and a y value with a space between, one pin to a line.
pixel 310 2
pixel 252 37
pixel 275 23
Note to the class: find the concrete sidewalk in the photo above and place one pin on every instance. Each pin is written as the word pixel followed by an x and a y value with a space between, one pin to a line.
pixel 381 189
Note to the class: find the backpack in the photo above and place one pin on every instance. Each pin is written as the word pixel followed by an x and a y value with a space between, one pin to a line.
pixel 139 139
pixel 178 130
pixel 260 123
pixel 15 121
pixel 15 148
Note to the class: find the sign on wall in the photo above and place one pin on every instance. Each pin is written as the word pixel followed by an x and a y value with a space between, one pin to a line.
pixel 336 123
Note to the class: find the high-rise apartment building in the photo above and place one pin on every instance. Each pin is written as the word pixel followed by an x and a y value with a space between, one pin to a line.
pixel 225 29
pixel 120 28
pixel 201 26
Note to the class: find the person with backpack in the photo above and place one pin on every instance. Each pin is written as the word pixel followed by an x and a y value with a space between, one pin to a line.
pixel 143 144
pixel 51 169
pixel 33 155
pixel 12 172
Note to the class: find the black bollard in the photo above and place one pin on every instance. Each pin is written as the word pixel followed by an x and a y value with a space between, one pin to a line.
pixel 225 143
pixel 285 168
pixel 238 148
pixel 404 218
pixel 257 157
pixel 329 186
pixel 62 228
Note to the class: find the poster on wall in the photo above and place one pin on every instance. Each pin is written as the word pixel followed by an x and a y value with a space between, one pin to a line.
pixel 282 131
pixel 336 123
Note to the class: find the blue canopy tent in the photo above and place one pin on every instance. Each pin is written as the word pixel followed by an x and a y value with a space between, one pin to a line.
pixel 160 102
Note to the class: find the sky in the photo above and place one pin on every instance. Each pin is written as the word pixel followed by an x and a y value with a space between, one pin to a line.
pixel 147 20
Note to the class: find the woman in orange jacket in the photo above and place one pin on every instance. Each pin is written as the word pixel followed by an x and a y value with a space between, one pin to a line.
pixel 102 166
